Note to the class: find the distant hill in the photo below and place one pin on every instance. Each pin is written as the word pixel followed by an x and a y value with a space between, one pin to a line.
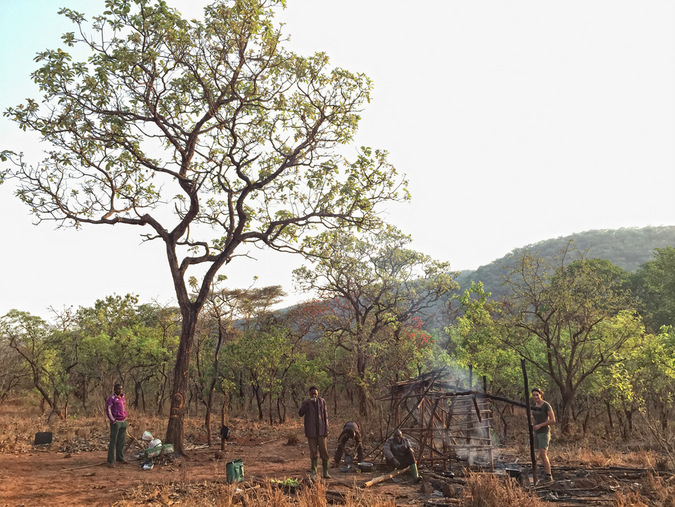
pixel 628 248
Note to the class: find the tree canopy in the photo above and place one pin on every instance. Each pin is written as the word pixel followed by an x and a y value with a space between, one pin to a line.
pixel 567 316
pixel 654 284
pixel 378 288
pixel 207 134
pixel 627 248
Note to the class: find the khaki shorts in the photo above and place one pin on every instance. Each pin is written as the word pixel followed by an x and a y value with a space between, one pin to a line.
pixel 541 440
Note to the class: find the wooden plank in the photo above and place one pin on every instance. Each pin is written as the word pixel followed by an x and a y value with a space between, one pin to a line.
pixel 382 478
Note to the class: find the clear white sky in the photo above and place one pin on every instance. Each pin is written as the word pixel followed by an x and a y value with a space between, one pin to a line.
pixel 515 122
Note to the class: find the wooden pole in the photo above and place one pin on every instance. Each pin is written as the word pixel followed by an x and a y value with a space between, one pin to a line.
pixel 133 440
pixel 487 429
pixel 475 406
pixel 533 456
pixel 382 478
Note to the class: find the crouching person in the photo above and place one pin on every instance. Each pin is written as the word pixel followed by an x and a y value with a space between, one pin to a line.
pixel 399 454
pixel 351 434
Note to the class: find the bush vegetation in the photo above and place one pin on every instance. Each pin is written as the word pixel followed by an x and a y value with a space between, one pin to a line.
pixel 597 339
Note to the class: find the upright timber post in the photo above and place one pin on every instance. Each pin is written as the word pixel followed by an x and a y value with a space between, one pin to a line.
pixel 488 424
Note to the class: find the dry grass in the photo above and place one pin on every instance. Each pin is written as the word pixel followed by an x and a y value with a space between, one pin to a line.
pixel 263 495
pixel 91 433
pixel 595 452
pixel 20 423
pixel 586 456
pixel 292 439
pixel 655 492
pixel 73 433
pixel 489 490
pixel 603 454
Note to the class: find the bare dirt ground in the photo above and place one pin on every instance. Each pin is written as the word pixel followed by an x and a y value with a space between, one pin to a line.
pixel 47 476
pixel 72 470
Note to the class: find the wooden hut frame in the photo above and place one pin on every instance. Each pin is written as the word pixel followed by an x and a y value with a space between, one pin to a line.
pixel 447 424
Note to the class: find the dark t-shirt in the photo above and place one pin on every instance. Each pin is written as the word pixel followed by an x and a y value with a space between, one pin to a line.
pixel 540 415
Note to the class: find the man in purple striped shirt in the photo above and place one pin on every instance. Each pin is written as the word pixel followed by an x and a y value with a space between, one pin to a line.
pixel 116 411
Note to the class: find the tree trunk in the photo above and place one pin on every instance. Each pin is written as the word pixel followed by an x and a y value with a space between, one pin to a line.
pixel 84 393
pixel 207 423
pixel 162 390
pixel 504 422
pixel 566 401
pixel 259 400
pixel 281 409
pixel 174 431
pixel 212 385
pixel 223 418
pixel 664 412
pixel 362 393
pixel 586 420
pixel 270 408
pixel 242 393
pixel 137 395
pixel 629 422
pixel 363 401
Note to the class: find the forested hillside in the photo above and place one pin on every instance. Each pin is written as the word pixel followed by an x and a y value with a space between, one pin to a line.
pixel 627 248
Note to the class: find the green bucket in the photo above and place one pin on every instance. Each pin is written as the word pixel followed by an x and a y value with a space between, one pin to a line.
pixel 235 471
pixel 153 452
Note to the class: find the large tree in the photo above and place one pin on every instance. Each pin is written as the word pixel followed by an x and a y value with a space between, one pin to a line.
pixel 120 340
pixel 476 341
pixel 207 134
pixel 654 285
pixel 222 309
pixel 378 286
pixel 567 316
pixel 45 355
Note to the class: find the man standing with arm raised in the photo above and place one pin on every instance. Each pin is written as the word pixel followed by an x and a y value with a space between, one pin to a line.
pixel 316 429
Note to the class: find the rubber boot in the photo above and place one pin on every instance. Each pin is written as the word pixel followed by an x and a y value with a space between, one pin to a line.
pixel 312 472
pixel 414 473
pixel 324 465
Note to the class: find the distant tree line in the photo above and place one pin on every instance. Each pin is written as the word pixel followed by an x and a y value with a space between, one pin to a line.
pixel 627 248
pixel 364 332
pixel 598 339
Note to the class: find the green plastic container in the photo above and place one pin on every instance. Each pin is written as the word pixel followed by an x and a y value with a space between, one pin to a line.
pixel 153 452
pixel 235 471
